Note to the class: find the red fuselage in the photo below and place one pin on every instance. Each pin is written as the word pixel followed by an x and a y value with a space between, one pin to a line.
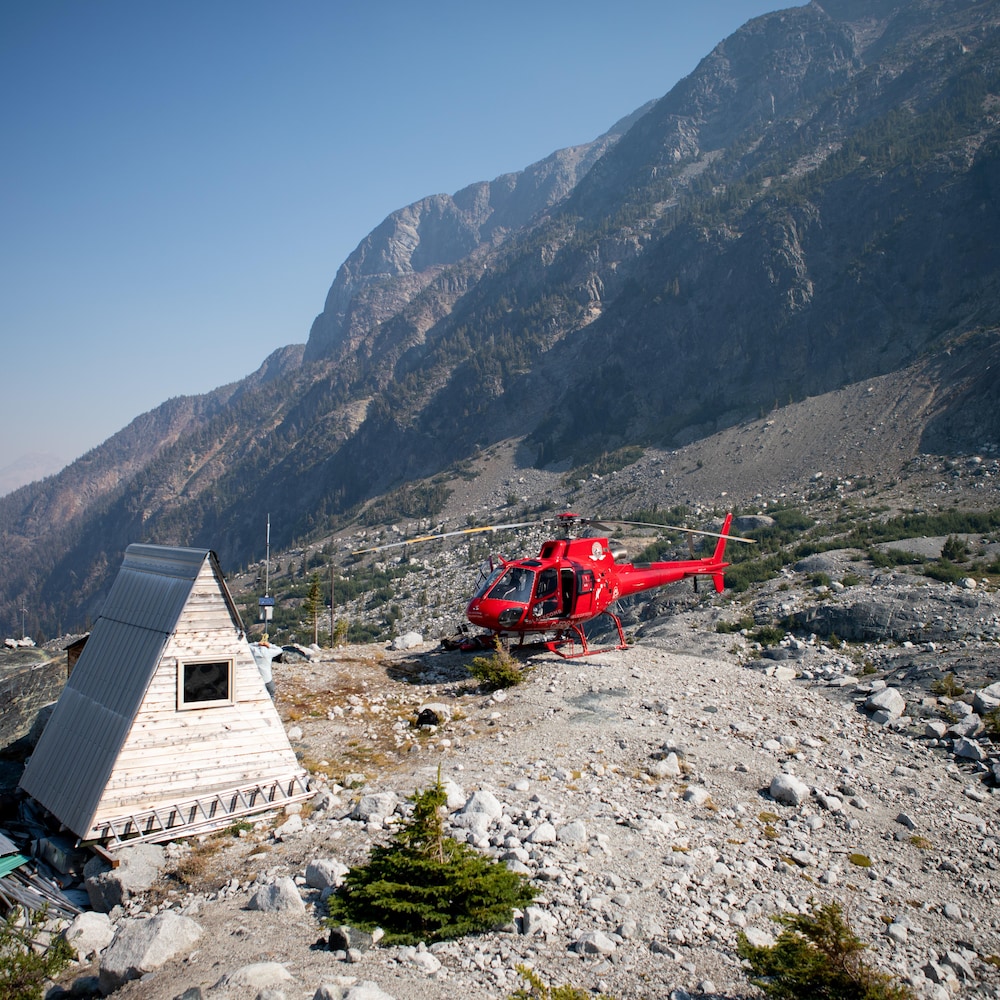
pixel 571 581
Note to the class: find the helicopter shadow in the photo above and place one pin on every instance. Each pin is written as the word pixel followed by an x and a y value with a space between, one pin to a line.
pixel 437 666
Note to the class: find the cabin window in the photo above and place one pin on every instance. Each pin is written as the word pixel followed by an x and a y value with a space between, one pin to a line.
pixel 205 683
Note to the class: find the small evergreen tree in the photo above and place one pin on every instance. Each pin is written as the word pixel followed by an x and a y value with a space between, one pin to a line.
pixel 817 955
pixel 314 604
pixel 499 670
pixel 426 886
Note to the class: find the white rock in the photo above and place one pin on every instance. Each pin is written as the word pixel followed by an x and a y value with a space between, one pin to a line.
pixel 537 921
pixel 258 976
pixel 289 828
pixel 88 933
pixel 887 700
pixel 544 833
pixel 367 990
pixel 666 767
pixel 140 946
pixel 697 796
pixel 759 938
pixel 375 804
pixel 572 833
pixel 788 789
pixel 325 873
pixel 409 640
pixel 282 895
pixel 595 943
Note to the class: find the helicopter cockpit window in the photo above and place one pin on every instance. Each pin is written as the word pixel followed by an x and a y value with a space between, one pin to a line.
pixel 515 585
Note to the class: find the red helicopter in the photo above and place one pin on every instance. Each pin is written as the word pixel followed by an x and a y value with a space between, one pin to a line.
pixel 571 582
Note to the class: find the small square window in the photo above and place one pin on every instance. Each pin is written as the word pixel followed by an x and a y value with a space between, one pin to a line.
pixel 204 683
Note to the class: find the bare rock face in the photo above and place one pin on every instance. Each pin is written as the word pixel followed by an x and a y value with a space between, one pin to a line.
pixel 406 252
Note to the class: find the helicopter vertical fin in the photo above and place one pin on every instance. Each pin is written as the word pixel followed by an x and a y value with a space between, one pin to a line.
pixel 720 551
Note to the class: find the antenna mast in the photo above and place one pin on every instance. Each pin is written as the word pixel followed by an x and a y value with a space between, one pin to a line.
pixel 266 603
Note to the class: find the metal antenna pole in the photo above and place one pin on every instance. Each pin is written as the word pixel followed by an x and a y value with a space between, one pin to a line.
pixel 267 559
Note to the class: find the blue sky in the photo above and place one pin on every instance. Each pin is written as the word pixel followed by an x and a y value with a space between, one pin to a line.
pixel 179 182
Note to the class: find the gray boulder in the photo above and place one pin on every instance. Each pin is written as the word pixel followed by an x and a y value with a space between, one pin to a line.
pixel 325 873
pixel 788 789
pixel 282 895
pixel 89 933
pixel 140 946
pixel 375 804
pixel 257 976
pixel 887 700
pixel 138 868
pixel 367 990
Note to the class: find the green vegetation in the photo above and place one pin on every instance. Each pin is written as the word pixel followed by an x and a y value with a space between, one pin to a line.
pixel 870 532
pixel 25 962
pixel 725 628
pixel 817 955
pixel 947 685
pixel 608 462
pixel 991 722
pixel 314 605
pixel 425 886
pixel 538 989
pixel 768 635
pixel 496 671
pixel 408 502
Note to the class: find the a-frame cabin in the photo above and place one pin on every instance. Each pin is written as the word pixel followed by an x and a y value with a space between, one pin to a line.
pixel 164 728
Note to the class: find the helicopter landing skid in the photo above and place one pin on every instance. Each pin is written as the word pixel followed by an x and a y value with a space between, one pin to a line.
pixel 574 636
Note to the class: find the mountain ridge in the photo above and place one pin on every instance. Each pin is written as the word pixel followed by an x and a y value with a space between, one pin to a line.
pixel 815 205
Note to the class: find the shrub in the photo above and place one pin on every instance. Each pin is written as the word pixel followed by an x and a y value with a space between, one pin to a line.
pixel 24 963
pixel 426 886
pixel 945 571
pixel 954 549
pixel 768 635
pixel 991 720
pixel 538 989
pixel 817 955
pixel 724 627
pixel 947 685
pixel 496 671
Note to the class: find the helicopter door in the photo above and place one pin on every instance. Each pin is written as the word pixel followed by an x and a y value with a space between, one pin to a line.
pixel 547 595
pixel 584 592
pixel 568 578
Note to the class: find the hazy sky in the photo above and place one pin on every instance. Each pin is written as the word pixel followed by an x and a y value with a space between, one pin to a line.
pixel 179 182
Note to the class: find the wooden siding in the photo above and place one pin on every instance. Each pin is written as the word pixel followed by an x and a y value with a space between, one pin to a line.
pixel 171 755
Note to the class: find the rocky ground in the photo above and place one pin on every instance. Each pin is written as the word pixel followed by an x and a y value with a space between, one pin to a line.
pixel 665 797
pixel 662 798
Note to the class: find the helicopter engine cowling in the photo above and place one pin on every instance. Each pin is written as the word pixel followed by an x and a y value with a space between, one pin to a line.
pixel 618 553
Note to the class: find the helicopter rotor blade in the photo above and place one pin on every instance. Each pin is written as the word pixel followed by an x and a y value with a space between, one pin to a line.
pixel 677 527
pixel 417 539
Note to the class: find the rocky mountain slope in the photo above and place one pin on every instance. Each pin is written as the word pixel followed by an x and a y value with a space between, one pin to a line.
pixel 813 207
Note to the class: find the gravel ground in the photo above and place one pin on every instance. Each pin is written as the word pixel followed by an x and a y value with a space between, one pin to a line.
pixel 666 863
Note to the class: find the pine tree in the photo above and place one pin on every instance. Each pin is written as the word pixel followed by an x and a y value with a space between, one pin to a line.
pixel 314 604
pixel 426 886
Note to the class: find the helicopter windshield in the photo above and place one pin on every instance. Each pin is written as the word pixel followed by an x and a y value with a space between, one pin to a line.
pixel 514 584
